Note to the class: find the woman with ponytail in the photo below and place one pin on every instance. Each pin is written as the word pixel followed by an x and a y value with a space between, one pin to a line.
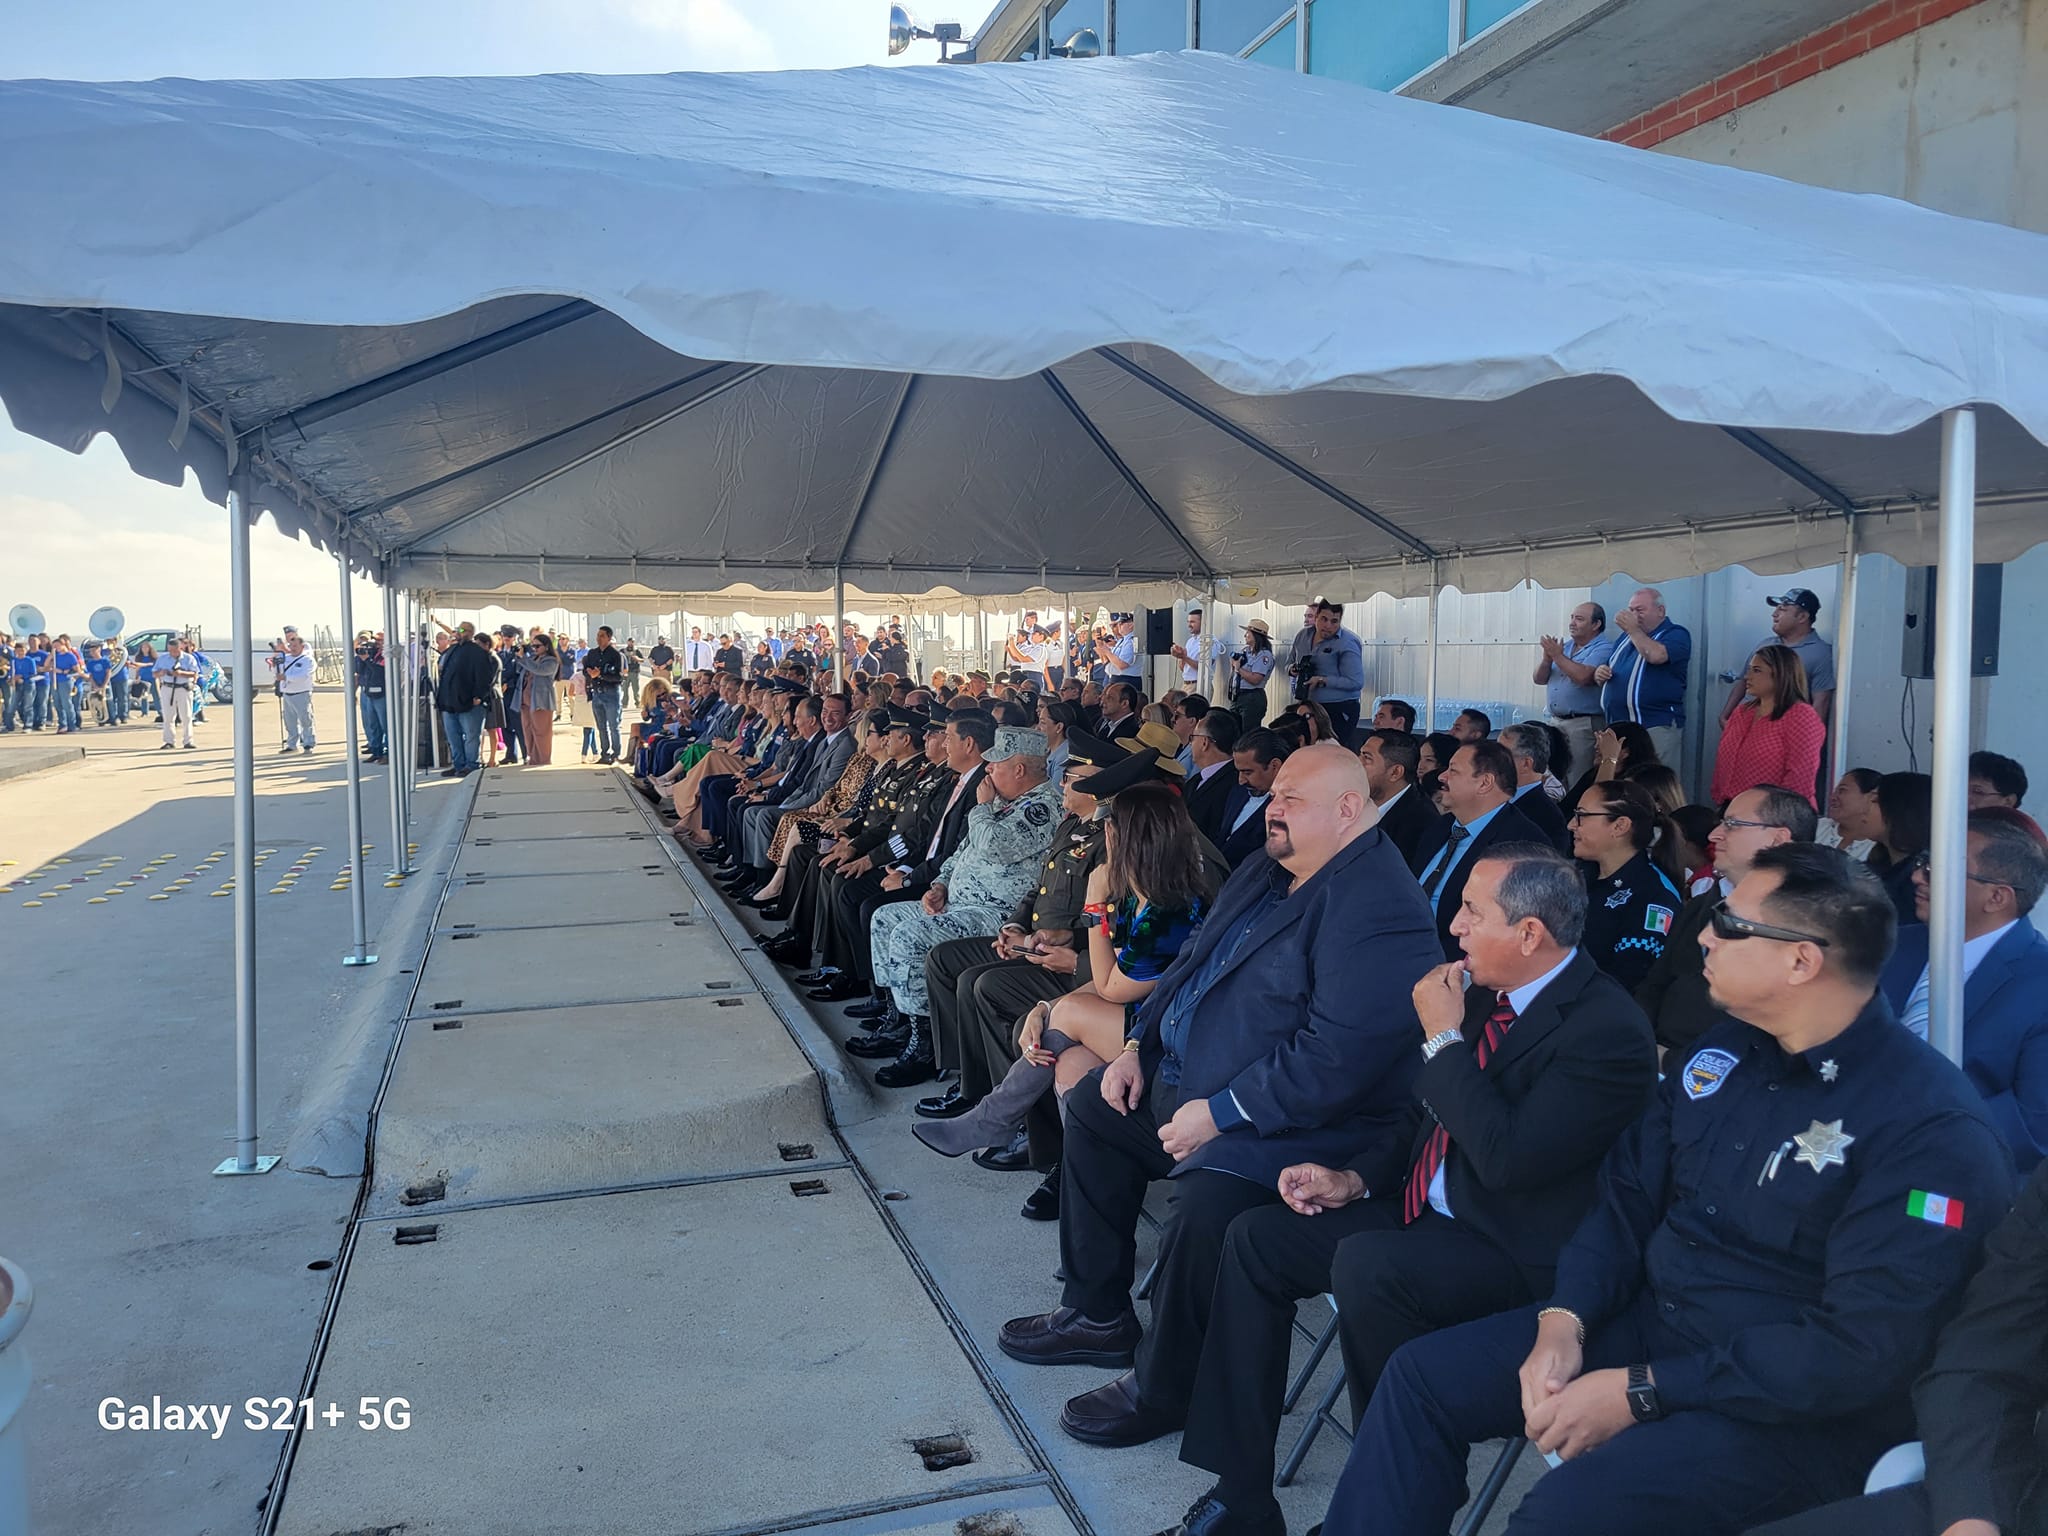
pixel 1632 884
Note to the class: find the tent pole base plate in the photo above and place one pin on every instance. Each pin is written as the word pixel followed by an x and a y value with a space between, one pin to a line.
pixel 358 959
pixel 231 1168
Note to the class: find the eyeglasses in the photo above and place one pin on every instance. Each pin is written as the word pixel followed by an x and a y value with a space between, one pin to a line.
pixel 1728 926
pixel 1924 859
pixel 1586 815
pixel 1737 821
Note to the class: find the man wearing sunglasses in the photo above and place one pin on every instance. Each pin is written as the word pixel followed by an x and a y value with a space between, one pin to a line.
pixel 1674 993
pixel 1736 1325
pixel 2005 977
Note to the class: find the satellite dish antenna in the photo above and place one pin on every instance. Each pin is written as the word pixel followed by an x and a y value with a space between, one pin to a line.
pixel 25 619
pixel 106 623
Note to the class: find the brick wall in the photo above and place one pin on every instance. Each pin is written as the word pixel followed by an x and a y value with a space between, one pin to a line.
pixel 1849 38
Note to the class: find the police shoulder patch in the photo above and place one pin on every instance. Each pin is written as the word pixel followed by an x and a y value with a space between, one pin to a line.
pixel 1706 1072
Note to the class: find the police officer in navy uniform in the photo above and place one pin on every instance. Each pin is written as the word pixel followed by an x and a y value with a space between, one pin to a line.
pixel 1631 903
pixel 1735 1327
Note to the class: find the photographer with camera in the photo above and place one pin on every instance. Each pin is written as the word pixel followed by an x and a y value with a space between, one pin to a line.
pixel 1250 666
pixel 1332 673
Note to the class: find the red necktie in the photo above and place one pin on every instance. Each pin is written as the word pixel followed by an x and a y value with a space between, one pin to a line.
pixel 1438 1143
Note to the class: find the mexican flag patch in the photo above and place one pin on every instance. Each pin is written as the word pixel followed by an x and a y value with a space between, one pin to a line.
pixel 1939 1209
pixel 1657 919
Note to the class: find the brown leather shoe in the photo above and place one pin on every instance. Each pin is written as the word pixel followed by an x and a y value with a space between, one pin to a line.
pixel 1117 1415
pixel 1064 1337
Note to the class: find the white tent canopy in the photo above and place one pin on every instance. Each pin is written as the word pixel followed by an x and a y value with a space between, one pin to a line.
pixel 1137 323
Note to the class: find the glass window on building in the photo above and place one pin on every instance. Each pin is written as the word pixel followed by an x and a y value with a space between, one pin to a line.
pixel 1277 49
pixel 1026 48
pixel 1380 43
pixel 1481 14
pixel 1231 26
pixel 1067 17
pixel 1151 26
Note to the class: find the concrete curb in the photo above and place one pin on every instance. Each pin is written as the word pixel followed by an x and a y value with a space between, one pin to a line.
pixel 331 1134
pixel 849 1098
pixel 22 762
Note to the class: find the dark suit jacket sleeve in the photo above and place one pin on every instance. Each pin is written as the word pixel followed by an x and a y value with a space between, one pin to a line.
pixel 1977 1403
pixel 2013 1025
pixel 1592 1089
pixel 1358 949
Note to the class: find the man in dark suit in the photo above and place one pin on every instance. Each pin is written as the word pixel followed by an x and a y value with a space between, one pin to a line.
pixel 901 870
pixel 1119 717
pixel 1529 745
pixel 1207 790
pixel 1257 758
pixel 1250 1054
pixel 1528 1076
pixel 2005 999
pixel 1674 993
pixel 1979 1406
pixel 1390 758
pixel 753 826
pixel 1479 782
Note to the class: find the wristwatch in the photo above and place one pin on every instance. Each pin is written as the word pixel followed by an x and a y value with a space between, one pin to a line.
pixel 1437 1042
pixel 1642 1395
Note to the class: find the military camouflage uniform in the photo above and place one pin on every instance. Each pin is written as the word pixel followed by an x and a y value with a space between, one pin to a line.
pixel 995 864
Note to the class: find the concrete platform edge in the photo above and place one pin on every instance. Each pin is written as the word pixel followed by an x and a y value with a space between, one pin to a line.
pixel 24 761
pixel 331 1136
pixel 849 1100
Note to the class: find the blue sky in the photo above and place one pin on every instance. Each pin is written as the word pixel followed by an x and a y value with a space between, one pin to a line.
pixel 83 531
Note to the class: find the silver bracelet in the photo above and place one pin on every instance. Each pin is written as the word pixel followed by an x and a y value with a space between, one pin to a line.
pixel 1439 1040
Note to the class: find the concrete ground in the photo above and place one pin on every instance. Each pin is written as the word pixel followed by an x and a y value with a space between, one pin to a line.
pixel 153 1277
pixel 639 1247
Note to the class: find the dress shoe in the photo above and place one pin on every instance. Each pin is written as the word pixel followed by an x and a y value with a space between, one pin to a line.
pixel 874 1008
pixel 915 1065
pixel 838 988
pixel 1012 1158
pixel 944 1106
pixel 1043 1203
pixel 745 883
pixel 762 903
pixel 1210 1516
pixel 816 978
pixel 1116 1415
pixel 1064 1337
pixel 788 951
pixel 875 1047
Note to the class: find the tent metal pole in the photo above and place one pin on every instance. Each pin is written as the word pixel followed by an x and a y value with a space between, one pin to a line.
pixel 1429 682
pixel 1067 669
pixel 351 756
pixel 839 661
pixel 1845 642
pixel 1212 626
pixel 242 628
pixel 394 721
pixel 1955 583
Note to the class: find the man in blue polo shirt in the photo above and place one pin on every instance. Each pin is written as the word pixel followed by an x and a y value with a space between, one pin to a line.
pixel 1339 662
pixel 1644 680
pixel 1566 676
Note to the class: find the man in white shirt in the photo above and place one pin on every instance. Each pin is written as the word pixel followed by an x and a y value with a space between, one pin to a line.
pixel 292 668
pixel 177 678
pixel 1193 654
pixel 697 651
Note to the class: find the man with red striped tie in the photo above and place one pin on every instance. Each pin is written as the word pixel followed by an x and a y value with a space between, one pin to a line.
pixel 1534 1062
